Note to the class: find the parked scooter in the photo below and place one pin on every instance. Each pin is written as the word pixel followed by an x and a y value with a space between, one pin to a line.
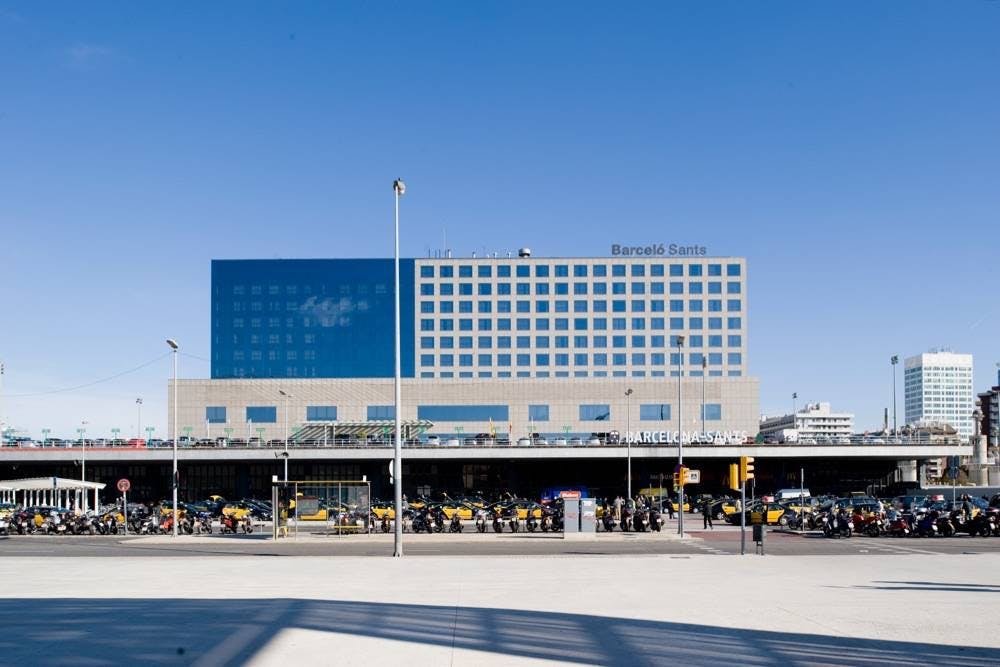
pixel 497 520
pixel 481 520
pixel 608 520
pixel 512 519
pixel 655 520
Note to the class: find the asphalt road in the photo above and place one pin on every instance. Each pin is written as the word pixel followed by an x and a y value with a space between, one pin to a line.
pixel 722 541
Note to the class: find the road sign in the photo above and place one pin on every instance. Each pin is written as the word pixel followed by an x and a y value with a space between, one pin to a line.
pixel 124 485
pixel 693 476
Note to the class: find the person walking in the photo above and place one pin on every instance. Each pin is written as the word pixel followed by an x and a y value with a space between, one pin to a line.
pixel 706 515
pixel 618 508
pixel 670 508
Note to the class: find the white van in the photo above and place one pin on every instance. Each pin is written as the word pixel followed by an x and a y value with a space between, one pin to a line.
pixel 790 494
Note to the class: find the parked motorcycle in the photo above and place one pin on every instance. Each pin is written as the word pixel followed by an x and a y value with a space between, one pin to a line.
pixel 513 520
pixel 456 523
pixel 481 520
pixel 655 520
pixel 497 520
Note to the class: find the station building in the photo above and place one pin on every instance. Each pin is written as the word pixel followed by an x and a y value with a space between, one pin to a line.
pixel 507 347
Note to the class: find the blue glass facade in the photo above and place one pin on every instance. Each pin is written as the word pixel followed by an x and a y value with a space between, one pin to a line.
pixel 309 318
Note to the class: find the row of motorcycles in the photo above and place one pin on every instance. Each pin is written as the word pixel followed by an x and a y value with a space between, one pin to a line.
pixel 639 520
pixel 498 517
pixel 111 521
pixel 922 523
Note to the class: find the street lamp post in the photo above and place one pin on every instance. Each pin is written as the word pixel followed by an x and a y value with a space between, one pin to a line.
pixel 628 438
pixel 287 396
pixel 173 346
pixel 138 419
pixel 83 459
pixel 398 188
pixel 115 435
pixel 894 360
pixel 704 372
pixel 680 436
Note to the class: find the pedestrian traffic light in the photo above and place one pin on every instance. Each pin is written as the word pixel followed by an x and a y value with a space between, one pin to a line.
pixel 677 480
pixel 734 476
pixel 746 468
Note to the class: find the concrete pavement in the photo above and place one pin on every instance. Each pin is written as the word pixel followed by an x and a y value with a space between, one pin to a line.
pixel 685 610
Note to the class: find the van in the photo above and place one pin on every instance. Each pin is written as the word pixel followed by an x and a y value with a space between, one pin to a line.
pixel 791 494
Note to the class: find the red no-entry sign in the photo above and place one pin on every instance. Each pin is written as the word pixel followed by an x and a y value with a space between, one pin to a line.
pixel 124 485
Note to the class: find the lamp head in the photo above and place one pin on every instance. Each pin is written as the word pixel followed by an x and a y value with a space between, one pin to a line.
pixel 172 343
pixel 399 187
pixel 628 392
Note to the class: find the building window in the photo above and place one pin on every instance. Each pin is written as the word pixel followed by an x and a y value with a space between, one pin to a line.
pixel 484 271
pixel 262 414
pixel 321 413
pixel 426 271
pixel 538 413
pixel 658 412
pixel 596 412
pixel 377 412
pixel 712 412
pixel 215 415
pixel 463 413
pixel 465 271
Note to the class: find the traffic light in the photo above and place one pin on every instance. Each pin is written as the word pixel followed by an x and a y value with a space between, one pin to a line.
pixel 746 468
pixel 684 476
pixel 681 477
pixel 734 476
pixel 677 480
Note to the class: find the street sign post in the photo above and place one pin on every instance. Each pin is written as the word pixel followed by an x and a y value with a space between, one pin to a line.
pixel 124 485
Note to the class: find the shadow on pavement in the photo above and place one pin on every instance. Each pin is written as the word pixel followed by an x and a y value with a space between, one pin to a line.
pixel 232 632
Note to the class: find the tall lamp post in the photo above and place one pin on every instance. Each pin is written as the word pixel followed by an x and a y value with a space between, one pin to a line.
pixel 628 438
pixel 83 459
pixel 138 419
pixel 173 346
pixel 287 396
pixel 704 372
pixel 398 188
pixel 680 436
pixel 894 360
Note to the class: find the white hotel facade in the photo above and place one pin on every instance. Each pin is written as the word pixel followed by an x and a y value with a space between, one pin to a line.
pixel 509 345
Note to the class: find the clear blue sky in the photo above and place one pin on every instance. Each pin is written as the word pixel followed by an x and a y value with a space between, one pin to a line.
pixel 850 150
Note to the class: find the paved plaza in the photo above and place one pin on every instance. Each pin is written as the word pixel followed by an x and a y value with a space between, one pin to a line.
pixel 688 609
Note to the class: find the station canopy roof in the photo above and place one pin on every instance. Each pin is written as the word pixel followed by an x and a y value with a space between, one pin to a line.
pixel 376 427
pixel 48 483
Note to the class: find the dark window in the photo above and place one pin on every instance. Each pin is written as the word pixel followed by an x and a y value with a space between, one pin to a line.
pixel 215 415
pixel 538 413
pixel 316 413
pixel 654 412
pixel 597 412
pixel 262 414
pixel 376 412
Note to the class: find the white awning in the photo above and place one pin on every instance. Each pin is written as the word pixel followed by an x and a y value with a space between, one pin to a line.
pixel 48 484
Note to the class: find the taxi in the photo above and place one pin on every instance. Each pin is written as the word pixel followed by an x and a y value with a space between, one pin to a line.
pixel 773 511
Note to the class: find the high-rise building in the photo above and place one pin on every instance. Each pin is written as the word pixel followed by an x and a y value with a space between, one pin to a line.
pixel 938 388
